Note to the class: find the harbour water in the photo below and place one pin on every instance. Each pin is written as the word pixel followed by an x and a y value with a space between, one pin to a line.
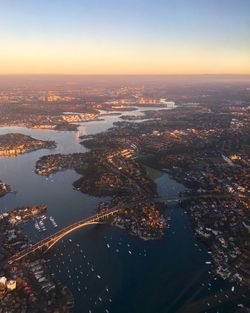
pixel 107 269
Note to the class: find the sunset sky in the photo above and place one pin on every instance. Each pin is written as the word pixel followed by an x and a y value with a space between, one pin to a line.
pixel 125 36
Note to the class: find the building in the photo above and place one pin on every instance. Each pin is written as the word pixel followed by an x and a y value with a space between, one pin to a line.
pixel 148 101
pixel 3 281
pixel 11 284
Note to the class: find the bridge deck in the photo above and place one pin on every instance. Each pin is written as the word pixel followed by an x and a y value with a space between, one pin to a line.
pixel 46 241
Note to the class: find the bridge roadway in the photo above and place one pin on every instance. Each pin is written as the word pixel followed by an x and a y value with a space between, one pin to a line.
pixel 95 219
pixel 201 196
pixel 48 242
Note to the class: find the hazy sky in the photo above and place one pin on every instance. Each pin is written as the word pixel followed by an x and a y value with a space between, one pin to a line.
pixel 125 36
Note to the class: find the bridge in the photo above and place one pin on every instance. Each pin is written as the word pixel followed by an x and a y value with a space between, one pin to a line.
pixel 50 241
pixel 170 200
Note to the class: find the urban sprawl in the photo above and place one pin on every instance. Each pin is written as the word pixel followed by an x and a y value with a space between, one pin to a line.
pixel 199 136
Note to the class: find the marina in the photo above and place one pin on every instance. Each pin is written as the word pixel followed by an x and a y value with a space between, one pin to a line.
pixel 75 260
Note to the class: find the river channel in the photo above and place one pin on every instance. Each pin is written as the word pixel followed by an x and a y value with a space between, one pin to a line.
pixel 107 269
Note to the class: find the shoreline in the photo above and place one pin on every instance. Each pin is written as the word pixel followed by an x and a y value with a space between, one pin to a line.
pixel 32 278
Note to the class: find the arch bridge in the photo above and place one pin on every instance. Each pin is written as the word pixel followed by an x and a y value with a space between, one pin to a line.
pixel 50 241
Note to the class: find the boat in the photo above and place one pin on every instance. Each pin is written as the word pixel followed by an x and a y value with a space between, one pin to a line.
pixel 53 221
pixel 42 226
pixel 37 226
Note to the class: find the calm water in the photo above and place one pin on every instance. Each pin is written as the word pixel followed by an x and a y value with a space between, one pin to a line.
pixel 107 269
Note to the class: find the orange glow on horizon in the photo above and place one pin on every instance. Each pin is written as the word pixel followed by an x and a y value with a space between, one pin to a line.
pixel 72 59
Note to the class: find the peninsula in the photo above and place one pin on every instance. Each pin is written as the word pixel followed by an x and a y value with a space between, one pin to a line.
pixel 14 144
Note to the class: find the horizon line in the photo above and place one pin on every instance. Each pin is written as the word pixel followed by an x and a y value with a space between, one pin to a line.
pixel 77 74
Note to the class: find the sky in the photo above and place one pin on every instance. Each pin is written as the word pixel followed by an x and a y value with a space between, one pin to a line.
pixel 125 37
